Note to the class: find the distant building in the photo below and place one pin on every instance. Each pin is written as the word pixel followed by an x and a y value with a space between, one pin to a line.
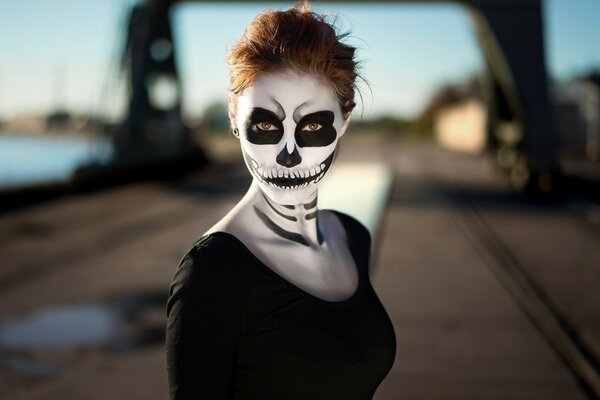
pixel 577 103
pixel 458 116
pixel 61 123
pixel 462 126
pixel 58 120
pixel 26 123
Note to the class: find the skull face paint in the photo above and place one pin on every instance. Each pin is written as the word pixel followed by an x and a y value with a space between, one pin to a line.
pixel 289 126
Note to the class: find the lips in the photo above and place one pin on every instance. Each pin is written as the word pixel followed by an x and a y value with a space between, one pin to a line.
pixel 289 178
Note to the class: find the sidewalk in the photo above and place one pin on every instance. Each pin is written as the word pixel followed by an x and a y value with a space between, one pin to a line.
pixel 461 335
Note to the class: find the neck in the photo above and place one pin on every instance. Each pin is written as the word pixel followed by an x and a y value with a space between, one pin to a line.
pixel 297 223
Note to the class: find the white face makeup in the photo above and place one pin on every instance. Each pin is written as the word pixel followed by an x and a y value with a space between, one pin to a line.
pixel 289 125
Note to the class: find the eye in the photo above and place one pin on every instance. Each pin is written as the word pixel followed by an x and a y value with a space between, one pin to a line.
pixel 264 126
pixel 312 127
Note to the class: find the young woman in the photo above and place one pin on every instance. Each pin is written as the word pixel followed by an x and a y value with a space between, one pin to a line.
pixel 274 301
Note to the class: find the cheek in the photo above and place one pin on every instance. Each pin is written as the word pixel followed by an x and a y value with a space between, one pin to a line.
pixel 264 155
pixel 316 155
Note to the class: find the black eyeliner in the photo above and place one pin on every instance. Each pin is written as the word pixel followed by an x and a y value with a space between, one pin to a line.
pixel 260 136
pixel 324 136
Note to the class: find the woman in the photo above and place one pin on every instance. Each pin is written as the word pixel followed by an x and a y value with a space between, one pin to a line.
pixel 274 301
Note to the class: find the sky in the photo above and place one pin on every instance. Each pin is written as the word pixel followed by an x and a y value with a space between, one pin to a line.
pixel 65 52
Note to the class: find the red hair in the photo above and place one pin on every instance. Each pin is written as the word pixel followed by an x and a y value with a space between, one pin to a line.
pixel 299 40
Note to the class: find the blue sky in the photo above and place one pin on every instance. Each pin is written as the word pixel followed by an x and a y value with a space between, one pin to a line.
pixel 403 56
pixel 66 51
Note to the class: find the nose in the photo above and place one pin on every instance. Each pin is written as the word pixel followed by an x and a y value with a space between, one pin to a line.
pixel 288 159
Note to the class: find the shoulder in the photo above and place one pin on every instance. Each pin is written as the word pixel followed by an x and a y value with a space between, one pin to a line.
pixel 355 230
pixel 205 270
pixel 212 256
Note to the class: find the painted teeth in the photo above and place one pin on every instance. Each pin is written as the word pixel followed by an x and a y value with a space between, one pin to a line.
pixel 315 174
pixel 293 187
pixel 285 173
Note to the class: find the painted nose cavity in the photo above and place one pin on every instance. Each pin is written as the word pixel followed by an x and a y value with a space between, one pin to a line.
pixel 288 159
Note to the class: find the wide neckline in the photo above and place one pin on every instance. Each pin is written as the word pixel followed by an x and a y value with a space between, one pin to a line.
pixel 295 287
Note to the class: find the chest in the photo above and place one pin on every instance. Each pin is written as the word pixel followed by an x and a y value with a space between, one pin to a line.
pixel 329 272
pixel 310 349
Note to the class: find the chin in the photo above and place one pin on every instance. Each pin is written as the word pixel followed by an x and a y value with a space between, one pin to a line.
pixel 288 196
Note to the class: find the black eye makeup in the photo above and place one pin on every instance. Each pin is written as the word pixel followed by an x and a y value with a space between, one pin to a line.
pixel 263 127
pixel 316 129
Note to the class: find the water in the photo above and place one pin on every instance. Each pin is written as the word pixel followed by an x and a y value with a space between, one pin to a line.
pixel 60 328
pixel 45 341
pixel 32 159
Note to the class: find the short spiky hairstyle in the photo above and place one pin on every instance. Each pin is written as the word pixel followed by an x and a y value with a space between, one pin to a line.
pixel 297 39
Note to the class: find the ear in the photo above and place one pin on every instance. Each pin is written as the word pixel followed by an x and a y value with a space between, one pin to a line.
pixel 346 122
pixel 232 111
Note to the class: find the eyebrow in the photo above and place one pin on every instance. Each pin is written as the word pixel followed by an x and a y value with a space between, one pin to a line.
pixel 258 113
pixel 297 116
pixel 280 112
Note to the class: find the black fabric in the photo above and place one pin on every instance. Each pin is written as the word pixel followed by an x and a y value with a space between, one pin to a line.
pixel 238 330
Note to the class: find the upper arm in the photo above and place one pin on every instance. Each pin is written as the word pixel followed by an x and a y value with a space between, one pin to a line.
pixel 203 329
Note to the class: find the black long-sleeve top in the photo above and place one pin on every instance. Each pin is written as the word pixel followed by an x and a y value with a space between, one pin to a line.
pixel 238 330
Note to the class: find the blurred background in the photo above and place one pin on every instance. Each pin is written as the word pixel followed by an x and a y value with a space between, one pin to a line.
pixel 477 127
